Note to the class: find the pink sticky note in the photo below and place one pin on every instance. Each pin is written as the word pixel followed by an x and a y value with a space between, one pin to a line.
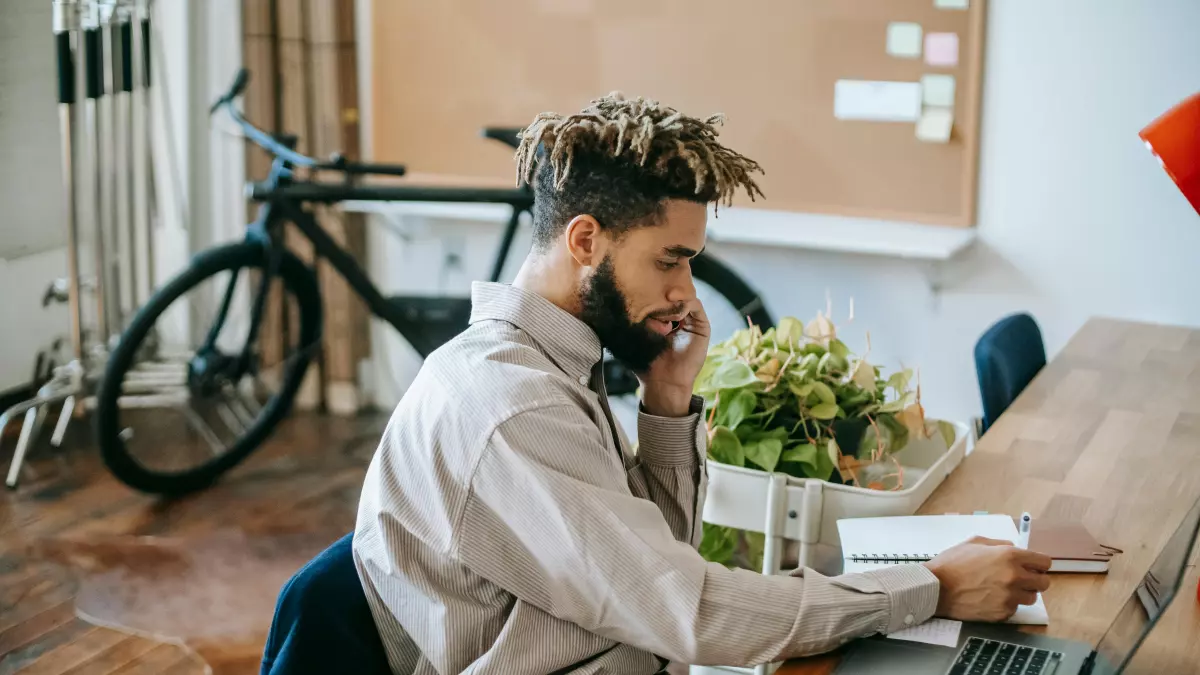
pixel 941 49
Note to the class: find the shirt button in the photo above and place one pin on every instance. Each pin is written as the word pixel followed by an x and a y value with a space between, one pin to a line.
pixel 908 620
pixel 583 379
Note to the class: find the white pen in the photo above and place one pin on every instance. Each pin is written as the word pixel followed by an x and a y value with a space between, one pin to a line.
pixel 1023 530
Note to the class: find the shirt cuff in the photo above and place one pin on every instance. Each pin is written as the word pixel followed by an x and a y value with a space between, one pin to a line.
pixel 912 592
pixel 670 440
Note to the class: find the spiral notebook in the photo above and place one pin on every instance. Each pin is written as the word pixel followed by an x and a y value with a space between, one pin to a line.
pixel 872 543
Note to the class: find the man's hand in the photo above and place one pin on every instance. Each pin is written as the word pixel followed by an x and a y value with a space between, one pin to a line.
pixel 667 386
pixel 986 579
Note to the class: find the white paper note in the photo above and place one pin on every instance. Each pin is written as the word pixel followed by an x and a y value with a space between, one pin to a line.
pixel 933 632
pixel 938 90
pixel 935 125
pixel 904 39
pixel 952 4
pixel 878 101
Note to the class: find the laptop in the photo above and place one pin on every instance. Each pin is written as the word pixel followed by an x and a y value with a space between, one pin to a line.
pixel 997 649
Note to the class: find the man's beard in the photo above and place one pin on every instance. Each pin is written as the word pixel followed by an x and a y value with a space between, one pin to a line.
pixel 604 309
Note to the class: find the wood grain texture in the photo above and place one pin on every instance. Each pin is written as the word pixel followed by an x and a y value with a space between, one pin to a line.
pixel 305 478
pixel 1109 434
pixel 442 71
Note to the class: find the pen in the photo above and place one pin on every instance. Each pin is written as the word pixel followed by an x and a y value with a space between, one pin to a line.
pixel 1023 530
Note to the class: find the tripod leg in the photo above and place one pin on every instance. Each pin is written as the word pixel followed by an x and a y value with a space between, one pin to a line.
pixel 14 469
pixel 64 418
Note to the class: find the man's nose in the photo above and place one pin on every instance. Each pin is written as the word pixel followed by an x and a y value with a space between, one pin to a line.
pixel 683 290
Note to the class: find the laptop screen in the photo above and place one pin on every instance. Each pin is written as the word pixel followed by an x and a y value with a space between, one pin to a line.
pixel 1149 599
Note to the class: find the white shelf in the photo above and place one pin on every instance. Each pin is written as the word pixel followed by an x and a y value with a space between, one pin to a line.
pixel 752 227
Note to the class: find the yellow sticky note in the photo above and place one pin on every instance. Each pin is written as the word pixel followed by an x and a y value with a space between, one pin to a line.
pixel 935 125
pixel 904 40
pixel 938 90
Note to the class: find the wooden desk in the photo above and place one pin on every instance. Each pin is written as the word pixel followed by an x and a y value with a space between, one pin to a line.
pixel 1108 433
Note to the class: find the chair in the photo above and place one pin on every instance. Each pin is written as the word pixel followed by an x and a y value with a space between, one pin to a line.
pixel 322 622
pixel 1007 357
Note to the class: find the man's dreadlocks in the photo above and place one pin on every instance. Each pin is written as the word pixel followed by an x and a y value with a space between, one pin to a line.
pixel 618 160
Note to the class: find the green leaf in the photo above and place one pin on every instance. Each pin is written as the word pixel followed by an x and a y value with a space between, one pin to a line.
pixel 896 431
pixel 726 448
pixel 948 432
pixel 823 392
pixel 899 404
pixel 756 544
pixel 824 411
pixel 801 390
pixel 733 374
pixel 899 381
pixel 764 452
pixel 718 543
pixel 824 466
pixel 814 349
pixel 738 408
pixel 804 454
pixel 839 349
pixel 704 377
pixel 874 437
pixel 789 332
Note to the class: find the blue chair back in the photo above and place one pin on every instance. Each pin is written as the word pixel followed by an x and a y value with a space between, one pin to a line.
pixel 322 621
pixel 1007 357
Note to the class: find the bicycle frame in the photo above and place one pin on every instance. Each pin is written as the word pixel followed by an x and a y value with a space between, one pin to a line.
pixel 283 200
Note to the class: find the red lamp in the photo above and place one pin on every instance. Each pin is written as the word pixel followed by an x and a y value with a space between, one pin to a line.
pixel 1175 139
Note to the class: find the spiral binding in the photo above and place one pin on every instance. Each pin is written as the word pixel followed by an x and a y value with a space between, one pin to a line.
pixel 892 558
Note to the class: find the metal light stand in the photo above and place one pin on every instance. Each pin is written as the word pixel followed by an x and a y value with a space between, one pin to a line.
pixel 158 378
pixel 68 380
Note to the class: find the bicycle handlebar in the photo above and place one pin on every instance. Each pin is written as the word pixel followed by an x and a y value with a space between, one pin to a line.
pixel 272 145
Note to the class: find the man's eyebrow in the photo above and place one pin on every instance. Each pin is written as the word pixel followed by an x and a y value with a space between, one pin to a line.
pixel 682 251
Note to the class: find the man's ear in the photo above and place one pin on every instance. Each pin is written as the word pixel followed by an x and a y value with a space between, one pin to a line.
pixel 585 240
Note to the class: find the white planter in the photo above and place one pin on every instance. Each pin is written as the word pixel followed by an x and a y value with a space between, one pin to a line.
pixel 799 515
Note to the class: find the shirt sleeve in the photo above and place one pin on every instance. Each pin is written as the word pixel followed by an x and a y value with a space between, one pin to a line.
pixel 671 452
pixel 543 524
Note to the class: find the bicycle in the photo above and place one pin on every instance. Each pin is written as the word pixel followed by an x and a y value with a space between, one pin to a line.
pixel 223 381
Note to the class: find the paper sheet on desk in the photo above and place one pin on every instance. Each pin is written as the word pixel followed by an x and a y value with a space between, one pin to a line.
pixel 933 632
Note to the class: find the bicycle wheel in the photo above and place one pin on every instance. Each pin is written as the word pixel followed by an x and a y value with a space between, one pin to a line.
pixel 728 300
pixel 179 405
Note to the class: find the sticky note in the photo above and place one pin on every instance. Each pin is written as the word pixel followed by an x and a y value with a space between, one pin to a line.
pixel 935 125
pixel 877 101
pixel 952 4
pixel 938 90
pixel 941 49
pixel 904 39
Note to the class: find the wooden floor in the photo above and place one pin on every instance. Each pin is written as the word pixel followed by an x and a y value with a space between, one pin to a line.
pixel 307 476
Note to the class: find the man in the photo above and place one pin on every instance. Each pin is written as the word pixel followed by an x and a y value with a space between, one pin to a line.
pixel 506 526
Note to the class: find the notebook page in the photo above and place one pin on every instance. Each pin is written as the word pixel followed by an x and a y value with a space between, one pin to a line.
pixel 919 535
pixel 916 535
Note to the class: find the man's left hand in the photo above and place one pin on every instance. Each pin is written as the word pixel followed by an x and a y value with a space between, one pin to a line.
pixel 667 386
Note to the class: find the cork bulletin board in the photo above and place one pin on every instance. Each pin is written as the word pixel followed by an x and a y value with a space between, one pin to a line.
pixel 442 70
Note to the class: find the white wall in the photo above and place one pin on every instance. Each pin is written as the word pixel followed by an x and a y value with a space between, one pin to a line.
pixel 1076 219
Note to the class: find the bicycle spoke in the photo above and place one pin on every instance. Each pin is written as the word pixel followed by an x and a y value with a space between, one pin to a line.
pixel 201 427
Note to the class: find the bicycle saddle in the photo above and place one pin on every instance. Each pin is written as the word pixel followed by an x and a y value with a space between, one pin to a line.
pixel 506 135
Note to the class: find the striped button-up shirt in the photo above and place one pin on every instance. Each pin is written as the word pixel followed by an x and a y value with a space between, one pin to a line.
pixel 505 526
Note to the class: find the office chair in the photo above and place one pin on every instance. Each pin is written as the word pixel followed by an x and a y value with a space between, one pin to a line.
pixel 322 622
pixel 1007 357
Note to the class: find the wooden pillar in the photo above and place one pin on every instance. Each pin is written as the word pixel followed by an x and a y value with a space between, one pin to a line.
pixel 333 72
pixel 308 86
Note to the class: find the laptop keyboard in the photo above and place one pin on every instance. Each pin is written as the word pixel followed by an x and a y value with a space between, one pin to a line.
pixel 989 657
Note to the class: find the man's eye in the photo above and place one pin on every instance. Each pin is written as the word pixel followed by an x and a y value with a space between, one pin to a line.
pixel 667 265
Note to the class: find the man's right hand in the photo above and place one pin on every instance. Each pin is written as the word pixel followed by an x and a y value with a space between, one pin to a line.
pixel 986 579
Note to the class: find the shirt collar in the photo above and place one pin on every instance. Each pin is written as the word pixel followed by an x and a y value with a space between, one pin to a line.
pixel 570 343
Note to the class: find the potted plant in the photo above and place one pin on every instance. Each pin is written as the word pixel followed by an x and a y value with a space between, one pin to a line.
pixel 795 400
